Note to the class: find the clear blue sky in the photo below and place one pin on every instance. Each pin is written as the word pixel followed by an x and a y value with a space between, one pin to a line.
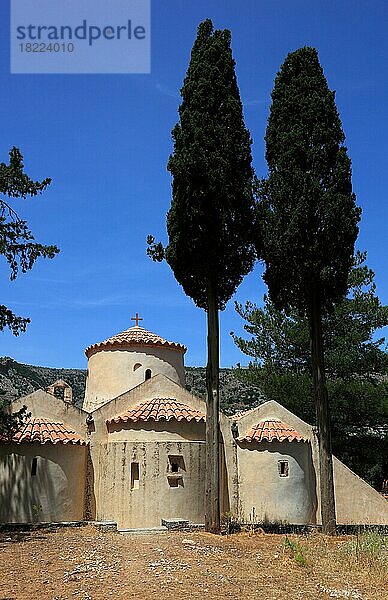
pixel 105 142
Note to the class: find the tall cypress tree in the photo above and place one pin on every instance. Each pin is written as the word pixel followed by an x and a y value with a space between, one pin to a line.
pixel 310 217
pixel 210 220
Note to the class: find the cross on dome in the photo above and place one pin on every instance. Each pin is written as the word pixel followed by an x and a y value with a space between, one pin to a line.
pixel 137 319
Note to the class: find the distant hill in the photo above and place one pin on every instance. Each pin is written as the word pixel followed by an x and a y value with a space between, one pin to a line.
pixel 17 379
pixel 234 394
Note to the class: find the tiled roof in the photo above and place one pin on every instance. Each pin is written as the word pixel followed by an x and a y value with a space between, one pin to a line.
pixel 160 409
pixel 135 336
pixel 272 430
pixel 44 431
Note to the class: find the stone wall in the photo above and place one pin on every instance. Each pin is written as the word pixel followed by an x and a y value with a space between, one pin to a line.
pixel 141 483
pixel 42 482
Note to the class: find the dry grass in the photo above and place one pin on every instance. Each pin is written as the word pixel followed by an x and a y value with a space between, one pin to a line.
pixel 85 563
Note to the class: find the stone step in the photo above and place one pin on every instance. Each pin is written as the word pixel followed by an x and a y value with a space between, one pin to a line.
pixel 143 531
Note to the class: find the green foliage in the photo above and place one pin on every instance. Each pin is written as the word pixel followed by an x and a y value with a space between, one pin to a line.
pixel 210 220
pixel 357 368
pixel 17 243
pixel 11 422
pixel 368 549
pixel 296 550
pixel 306 203
pixel 20 251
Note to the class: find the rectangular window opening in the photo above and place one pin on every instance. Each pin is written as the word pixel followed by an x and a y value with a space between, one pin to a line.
pixel 34 466
pixel 135 476
pixel 283 468
pixel 176 464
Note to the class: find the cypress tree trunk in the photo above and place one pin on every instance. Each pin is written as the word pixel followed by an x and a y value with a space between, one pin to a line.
pixel 212 479
pixel 323 419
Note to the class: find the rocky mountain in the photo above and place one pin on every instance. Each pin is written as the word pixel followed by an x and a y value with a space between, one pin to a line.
pixel 17 379
pixel 234 394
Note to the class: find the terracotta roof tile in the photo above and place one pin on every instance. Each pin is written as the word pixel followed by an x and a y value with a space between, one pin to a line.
pixel 159 409
pixel 136 336
pixel 272 430
pixel 42 430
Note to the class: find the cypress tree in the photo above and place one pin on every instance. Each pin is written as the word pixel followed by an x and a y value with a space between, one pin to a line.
pixel 310 221
pixel 210 220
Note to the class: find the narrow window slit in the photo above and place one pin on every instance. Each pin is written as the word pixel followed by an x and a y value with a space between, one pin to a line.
pixel 283 468
pixel 34 466
pixel 135 476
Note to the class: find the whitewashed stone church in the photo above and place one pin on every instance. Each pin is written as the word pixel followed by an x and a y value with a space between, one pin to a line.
pixel 135 452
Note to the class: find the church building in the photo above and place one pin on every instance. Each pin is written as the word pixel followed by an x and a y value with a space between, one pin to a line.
pixel 135 452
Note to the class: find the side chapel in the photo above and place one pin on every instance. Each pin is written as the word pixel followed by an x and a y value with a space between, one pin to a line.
pixel 135 452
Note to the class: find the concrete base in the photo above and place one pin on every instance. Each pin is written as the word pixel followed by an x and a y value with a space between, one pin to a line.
pixel 102 525
pixel 144 531
pixel 175 523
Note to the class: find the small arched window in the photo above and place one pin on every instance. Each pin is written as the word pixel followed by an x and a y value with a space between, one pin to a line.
pixel 136 366
pixel 147 374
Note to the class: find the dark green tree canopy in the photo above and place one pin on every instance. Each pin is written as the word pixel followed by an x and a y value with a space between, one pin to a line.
pixel 17 243
pixel 356 367
pixel 307 204
pixel 281 340
pixel 210 220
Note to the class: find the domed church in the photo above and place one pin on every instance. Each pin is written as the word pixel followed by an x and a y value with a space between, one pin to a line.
pixel 135 452
pixel 125 360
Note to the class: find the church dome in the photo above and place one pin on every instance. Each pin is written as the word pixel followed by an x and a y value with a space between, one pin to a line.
pixel 132 337
pixel 128 359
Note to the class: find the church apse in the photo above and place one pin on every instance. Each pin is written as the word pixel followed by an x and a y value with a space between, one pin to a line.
pixel 156 457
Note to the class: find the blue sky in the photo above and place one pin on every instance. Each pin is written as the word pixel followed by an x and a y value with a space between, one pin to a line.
pixel 105 141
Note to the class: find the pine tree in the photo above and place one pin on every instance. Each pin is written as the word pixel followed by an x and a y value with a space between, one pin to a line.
pixel 210 220
pixel 310 221
pixel 356 363
pixel 18 247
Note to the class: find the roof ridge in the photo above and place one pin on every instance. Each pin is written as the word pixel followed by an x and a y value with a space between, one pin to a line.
pixel 157 409
pixel 136 336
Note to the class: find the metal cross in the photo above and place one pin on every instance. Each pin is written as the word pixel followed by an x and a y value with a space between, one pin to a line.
pixel 137 319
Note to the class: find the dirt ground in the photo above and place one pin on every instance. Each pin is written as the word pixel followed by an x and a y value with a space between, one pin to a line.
pixel 85 563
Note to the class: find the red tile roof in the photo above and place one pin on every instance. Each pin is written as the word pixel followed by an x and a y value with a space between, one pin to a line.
pixel 44 431
pixel 272 430
pixel 135 336
pixel 160 409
